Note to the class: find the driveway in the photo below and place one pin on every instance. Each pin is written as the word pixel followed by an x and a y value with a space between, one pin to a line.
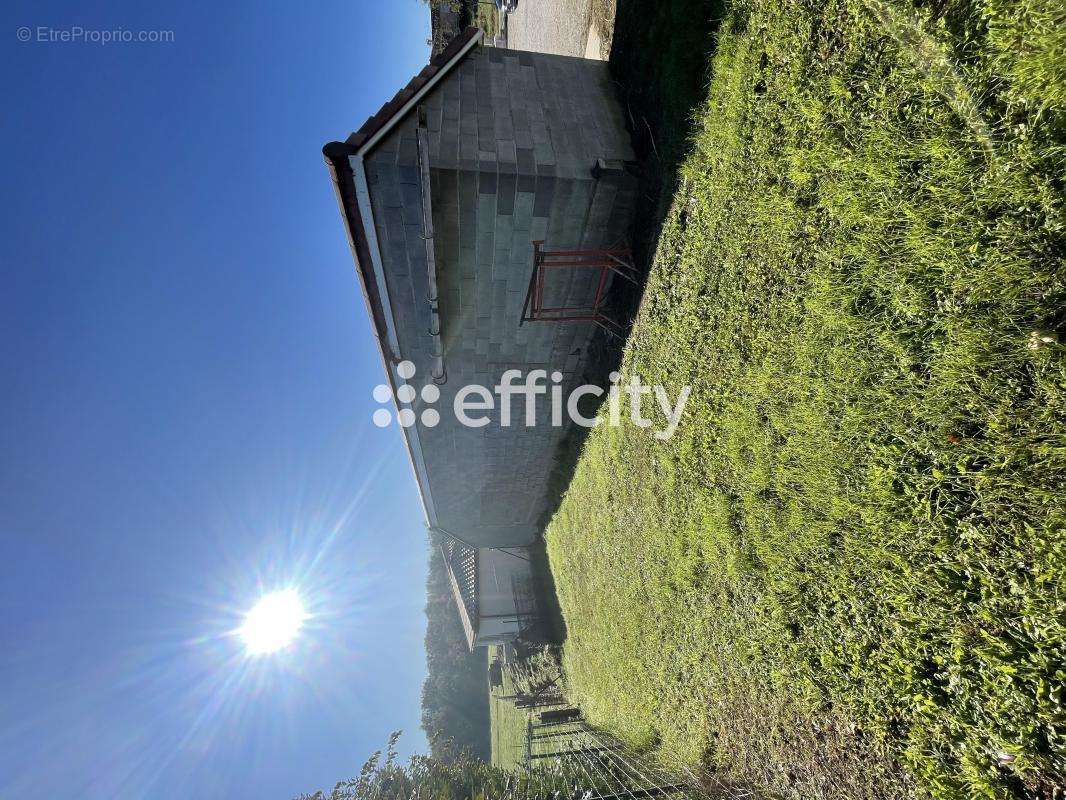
pixel 551 26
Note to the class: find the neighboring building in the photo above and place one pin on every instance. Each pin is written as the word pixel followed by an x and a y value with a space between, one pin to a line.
pixel 491 587
pixel 443 192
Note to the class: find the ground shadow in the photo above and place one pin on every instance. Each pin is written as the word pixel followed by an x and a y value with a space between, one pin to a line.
pixel 660 63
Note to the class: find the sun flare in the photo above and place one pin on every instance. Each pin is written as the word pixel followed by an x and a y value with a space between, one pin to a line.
pixel 273 622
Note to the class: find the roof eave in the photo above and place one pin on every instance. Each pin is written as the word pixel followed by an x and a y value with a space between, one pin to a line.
pixel 349 182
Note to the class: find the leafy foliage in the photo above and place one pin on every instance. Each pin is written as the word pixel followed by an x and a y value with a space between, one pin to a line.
pixel 850 557
pixel 453 5
pixel 457 776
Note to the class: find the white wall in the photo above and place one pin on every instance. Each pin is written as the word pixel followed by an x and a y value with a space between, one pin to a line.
pixel 497 571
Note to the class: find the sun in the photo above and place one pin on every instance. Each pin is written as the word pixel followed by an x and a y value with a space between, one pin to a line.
pixel 273 622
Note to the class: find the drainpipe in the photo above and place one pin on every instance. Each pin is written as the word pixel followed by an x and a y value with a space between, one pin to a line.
pixel 436 344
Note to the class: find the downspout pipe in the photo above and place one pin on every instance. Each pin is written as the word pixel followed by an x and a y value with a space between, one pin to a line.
pixel 437 370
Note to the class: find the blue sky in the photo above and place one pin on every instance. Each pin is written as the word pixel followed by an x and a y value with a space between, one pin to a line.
pixel 185 413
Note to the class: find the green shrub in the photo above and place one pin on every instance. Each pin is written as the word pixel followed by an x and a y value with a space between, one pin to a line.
pixel 459 777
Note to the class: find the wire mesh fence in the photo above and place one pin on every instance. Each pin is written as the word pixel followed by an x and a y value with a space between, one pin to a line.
pixel 599 767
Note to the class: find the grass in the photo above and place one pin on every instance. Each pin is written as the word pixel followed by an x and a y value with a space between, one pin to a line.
pixel 846 574
pixel 539 674
pixel 507 723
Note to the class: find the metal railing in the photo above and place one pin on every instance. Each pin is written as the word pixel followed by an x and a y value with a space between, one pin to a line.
pixel 579 300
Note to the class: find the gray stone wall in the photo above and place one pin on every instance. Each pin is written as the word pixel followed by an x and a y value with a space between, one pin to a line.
pixel 513 140
pixel 527 113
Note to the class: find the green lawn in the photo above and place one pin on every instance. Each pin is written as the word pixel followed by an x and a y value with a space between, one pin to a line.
pixel 507 724
pixel 846 574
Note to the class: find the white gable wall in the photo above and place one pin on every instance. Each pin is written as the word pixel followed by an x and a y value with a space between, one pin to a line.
pixel 498 574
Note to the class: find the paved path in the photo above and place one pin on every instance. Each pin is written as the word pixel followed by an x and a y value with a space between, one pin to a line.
pixel 550 26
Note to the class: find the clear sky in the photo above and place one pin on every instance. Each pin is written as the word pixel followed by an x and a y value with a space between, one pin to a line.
pixel 186 370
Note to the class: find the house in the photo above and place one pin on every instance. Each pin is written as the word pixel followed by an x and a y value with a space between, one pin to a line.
pixel 443 193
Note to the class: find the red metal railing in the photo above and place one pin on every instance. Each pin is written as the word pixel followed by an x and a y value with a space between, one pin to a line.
pixel 617 261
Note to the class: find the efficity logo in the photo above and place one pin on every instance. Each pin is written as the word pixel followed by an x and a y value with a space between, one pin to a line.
pixel 476 406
